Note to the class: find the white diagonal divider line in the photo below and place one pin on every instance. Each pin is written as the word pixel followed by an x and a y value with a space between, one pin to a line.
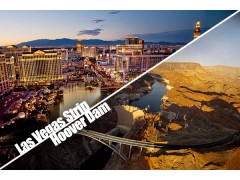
pixel 201 36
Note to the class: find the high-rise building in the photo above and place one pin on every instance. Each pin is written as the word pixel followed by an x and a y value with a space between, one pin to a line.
pixel 11 69
pixel 64 53
pixel 40 66
pixel 137 63
pixel 131 40
pixel 4 83
pixel 132 45
pixel 14 51
pixel 129 49
pixel 89 51
pixel 197 30
pixel 131 58
pixel 79 46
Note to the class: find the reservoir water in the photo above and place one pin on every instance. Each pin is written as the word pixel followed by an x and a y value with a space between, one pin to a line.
pixel 153 99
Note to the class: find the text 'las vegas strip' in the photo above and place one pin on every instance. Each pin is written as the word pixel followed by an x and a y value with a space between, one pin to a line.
pixel 73 120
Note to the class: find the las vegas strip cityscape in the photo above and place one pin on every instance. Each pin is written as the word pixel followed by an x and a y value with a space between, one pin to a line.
pixel 41 80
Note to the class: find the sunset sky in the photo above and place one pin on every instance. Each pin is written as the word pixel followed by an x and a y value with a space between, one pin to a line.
pixel 171 26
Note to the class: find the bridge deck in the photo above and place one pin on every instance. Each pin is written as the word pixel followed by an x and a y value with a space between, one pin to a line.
pixel 155 144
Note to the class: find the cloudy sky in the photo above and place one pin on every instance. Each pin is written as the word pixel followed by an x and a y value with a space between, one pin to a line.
pixel 171 26
pixel 221 46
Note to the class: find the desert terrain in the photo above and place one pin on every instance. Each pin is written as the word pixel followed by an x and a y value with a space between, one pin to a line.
pixel 201 106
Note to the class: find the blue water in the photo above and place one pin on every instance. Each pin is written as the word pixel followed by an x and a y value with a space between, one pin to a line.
pixel 153 99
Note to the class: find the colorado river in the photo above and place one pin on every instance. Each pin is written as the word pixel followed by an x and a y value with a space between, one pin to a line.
pixel 153 99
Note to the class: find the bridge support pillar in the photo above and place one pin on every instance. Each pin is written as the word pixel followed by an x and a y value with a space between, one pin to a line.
pixel 130 151
pixel 120 146
pixel 140 153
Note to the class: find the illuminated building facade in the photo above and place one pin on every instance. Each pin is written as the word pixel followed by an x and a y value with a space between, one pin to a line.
pixel 14 51
pixel 132 45
pixel 4 83
pixel 11 69
pixel 64 53
pixel 129 49
pixel 136 63
pixel 79 46
pixel 197 30
pixel 133 40
pixel 89 51
pixel 131 58
pixel 40 67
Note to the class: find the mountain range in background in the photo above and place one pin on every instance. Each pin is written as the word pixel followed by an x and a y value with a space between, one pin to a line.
pixel 72 42
pixel 179 37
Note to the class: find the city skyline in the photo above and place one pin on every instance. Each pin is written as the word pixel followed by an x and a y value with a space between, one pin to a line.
pixel 171 26
pixel 218 47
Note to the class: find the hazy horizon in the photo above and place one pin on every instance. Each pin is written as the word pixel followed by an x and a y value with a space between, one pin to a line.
pixel 81 39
